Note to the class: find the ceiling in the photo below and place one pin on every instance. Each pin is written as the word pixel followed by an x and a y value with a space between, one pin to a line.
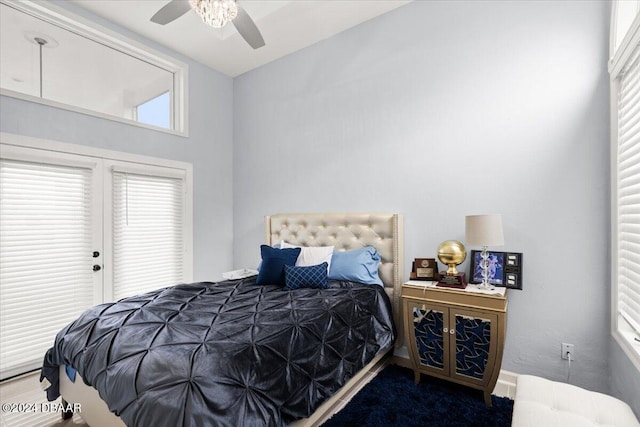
pixel 286 25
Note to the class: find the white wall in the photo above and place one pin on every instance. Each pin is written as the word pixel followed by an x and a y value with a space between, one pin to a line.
pixel 208 148
pixel 441 109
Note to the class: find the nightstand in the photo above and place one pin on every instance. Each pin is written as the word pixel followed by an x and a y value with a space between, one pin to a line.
pixel 455 334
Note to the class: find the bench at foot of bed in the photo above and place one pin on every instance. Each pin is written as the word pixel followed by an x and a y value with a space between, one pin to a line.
pixel 541 402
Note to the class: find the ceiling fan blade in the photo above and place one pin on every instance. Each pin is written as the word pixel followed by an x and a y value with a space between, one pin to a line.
pixel 247 29
pixel 171 11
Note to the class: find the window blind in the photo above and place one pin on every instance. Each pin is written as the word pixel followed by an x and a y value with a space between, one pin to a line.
pixel 628 188
pixel 45 257
pixel 148 232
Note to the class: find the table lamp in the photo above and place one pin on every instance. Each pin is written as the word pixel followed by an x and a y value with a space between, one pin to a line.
pixel 484 231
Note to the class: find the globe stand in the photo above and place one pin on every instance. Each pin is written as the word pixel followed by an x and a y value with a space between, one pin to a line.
pixel 484 264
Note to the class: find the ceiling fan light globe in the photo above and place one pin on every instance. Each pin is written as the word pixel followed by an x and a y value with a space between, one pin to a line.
pixel 215 13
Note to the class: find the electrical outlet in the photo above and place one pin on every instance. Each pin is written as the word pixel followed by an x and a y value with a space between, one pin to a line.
pixel 566 349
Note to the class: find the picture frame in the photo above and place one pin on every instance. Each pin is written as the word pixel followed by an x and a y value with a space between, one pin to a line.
pixel 505 269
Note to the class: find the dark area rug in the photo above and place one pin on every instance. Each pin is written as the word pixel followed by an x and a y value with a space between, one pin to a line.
pixel 392 399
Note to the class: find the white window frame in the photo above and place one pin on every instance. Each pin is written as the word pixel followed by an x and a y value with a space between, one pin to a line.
pixel 623 334
pixel 62 18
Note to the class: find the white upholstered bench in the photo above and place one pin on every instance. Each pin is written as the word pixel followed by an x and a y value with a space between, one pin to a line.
pixel 540 402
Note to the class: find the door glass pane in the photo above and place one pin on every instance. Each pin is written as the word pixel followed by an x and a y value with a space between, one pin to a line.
pixel 148 233
pixel 45 257
pixel 473 341
pixel 75 70
pixel 429 326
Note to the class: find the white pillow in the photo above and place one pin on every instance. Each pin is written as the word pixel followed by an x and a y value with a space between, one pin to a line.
pixel 312 255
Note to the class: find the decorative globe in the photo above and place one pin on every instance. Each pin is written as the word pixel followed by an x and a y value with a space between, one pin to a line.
pixel 451 253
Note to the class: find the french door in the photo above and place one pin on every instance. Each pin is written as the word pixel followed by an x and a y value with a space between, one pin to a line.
pixel 76 231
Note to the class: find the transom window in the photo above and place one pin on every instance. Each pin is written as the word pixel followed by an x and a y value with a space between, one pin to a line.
pixel 51 58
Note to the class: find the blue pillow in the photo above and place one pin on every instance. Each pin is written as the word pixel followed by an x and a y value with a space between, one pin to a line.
pixel 314 276
pixel 360 265
pixel 273 263
pixel 277 246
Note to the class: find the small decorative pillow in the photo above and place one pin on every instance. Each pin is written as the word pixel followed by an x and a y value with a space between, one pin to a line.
pixel 360 265
pixel 273 263
pixel 276 246
pixel 314 276
pixel 312 255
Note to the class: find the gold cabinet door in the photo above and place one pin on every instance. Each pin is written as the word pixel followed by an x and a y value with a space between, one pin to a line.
pixel 428 334
pixel 473 345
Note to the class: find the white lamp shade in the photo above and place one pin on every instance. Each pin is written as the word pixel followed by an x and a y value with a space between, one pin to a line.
pixel 484 230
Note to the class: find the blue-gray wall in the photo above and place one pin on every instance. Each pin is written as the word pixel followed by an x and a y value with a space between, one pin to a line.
pixel 441 109
pixel 435 110
pixel 625 377
pixel 209 147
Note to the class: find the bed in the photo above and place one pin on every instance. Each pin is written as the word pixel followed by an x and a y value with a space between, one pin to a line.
pixel 273 361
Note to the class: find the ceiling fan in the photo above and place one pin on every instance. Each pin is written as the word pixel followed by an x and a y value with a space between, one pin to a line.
pixel 216 13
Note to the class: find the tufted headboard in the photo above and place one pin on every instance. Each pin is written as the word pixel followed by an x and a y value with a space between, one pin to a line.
pixel 346 231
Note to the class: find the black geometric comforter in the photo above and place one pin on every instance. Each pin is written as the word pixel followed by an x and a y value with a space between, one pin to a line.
pixel 224 354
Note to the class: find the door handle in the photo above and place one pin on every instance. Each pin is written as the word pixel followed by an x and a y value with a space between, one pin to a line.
pixel 96 267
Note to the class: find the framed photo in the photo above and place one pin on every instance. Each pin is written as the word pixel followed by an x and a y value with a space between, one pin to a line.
pixel 505 269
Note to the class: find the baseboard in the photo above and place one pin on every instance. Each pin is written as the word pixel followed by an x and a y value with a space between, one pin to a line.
pixel 505 386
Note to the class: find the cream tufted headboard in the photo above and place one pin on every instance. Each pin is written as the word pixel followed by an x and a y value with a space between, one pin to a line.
pixel 347 231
